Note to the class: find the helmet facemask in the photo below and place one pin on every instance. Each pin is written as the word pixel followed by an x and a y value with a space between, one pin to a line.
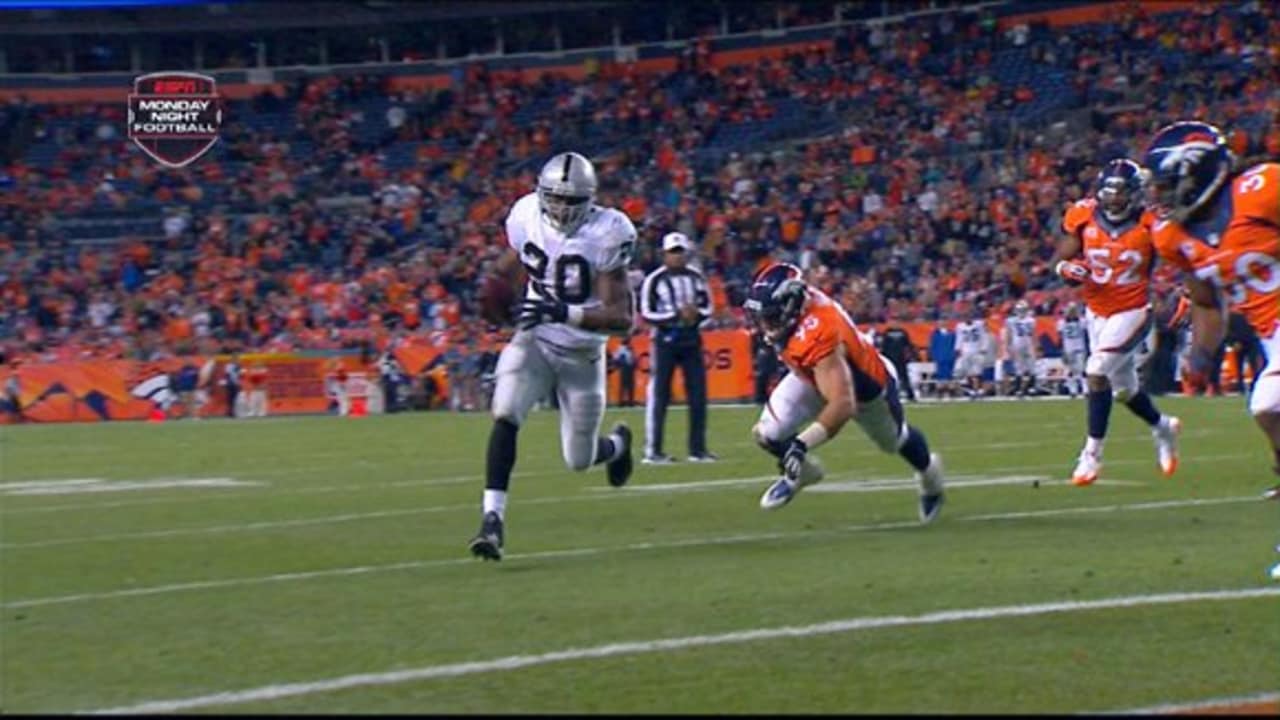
pixel 776 316
pixel 1117 202
pixel 566 212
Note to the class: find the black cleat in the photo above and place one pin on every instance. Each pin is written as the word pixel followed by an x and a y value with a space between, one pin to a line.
pixel 620 469
pixel 488 543
pixel 930 506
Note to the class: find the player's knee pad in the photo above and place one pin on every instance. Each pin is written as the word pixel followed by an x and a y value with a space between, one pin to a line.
pixel 1105 363
pixel 761 435
pixel 504 409
pixel 579 454
pixel 580 426
pixel 1124 383
pixel 1265 398
pixel 879 424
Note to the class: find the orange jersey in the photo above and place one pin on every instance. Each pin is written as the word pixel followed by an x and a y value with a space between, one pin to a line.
pixel 1237 246
pixel 826 328
pixel 1119 258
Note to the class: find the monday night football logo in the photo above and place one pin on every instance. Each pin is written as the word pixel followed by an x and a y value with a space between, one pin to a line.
pixel 174 116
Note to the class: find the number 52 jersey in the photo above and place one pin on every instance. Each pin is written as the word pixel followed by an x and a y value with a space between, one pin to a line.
pixel 1236 245
pixel 565 268
pixel 1119 258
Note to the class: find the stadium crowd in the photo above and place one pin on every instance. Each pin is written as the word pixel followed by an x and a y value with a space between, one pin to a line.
pixel 935 198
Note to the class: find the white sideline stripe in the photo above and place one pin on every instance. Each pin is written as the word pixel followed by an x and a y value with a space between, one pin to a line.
pixel 853 486
pixel 1156 505
pixel 595 493
pixel 272 524
pixel 880 484
pixel 429 482
pixel 576 552
pixel 273 492
pixel 99 485
pixel 268 693
pixel 1198 705
pixel 48 483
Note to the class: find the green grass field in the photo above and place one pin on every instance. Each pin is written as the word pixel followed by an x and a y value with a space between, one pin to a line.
pixel 321 567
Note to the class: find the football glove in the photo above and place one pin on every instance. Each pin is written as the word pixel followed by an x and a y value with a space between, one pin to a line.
pixel 536 312
pixel 793 459
pixel 1072 272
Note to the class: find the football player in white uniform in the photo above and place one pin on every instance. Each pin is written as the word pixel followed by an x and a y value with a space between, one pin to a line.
pixel 971 355
pixel 575 254
pixel 1072 331
pixel 1019 337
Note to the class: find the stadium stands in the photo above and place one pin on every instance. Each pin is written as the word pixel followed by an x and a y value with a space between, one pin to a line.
pixel 914 168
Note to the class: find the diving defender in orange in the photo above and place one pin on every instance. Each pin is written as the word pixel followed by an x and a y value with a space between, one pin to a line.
pixel 836 376
pixel 1106 249
pixel 1221 226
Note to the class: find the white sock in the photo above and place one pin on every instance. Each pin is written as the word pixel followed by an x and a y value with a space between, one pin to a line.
pixel 496 501
pixel 616 439
pixel 1163 424
pixel 1093 446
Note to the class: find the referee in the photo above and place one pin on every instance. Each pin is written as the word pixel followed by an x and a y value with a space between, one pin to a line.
pixel 675 301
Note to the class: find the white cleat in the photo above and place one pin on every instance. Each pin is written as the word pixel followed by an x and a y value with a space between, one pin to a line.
pixel 782 491
pixel 1166 437
pixel 932 492
pixel 1087 469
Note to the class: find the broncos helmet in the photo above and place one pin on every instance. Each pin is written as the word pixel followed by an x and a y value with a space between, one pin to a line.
pixel 566 189
pixel 775 302
pixel 1119 190
pixel 1188 163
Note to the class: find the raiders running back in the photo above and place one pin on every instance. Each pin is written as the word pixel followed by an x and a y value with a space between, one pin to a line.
pixel 575 254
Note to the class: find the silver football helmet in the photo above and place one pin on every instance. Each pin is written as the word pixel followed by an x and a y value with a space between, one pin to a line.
pixel 566 189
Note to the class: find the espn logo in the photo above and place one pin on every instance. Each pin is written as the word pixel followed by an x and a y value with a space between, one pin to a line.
pixel 169 87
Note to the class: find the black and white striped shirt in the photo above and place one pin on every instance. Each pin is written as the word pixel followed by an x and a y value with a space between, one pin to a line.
pixel 664 292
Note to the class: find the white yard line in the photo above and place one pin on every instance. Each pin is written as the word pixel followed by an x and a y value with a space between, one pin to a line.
pixel 267 693
pixel 574 552
pixel 1191 707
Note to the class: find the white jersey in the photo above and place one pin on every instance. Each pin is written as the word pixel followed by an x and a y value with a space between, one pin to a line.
pixel 1021 332
pixel 971 337
pixel 565 268
pixel 1072 333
